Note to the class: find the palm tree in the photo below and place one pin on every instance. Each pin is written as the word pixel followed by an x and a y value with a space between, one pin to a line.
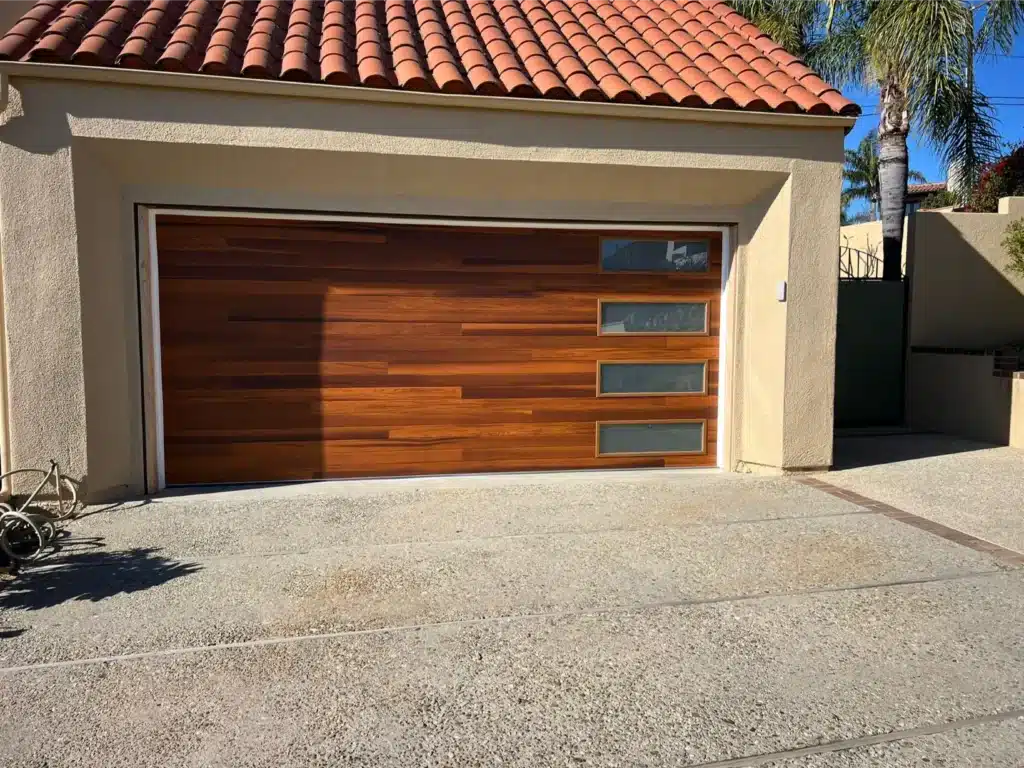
pixel 861 174
pixel 919 56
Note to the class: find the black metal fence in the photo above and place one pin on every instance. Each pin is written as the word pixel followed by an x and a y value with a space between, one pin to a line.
pixel 855 264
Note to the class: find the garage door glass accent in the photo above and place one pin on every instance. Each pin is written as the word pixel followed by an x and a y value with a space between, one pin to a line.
pixel 683 317
pixel 651 378
pixel 632 438
pixel 654 255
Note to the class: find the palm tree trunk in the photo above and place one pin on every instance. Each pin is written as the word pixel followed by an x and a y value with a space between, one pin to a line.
pixel 894 125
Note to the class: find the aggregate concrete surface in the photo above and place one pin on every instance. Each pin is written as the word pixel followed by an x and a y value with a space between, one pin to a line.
pixel 977 488
pixel 966 747
pixel 610 619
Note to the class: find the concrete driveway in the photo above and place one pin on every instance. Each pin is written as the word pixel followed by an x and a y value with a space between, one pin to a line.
pixel 608 619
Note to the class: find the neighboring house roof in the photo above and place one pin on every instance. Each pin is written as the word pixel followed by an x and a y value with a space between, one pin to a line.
pixel 689 53
pixel 926 189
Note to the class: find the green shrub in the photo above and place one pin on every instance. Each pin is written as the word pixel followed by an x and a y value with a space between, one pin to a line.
pixel 1013 242
pixel 941 199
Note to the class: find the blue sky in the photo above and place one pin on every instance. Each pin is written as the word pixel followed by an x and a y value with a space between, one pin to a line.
pixel 1000 78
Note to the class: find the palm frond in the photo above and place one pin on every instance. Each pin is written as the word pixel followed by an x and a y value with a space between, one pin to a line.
pixel 921 50
pixel 851 194
pixel 1002 21
pixel 841 56
pixel 787 22
pixel 913 40
pixel 831 15
pixel 917 177
pixel 858 179
pixel 961 125
pixel 860 172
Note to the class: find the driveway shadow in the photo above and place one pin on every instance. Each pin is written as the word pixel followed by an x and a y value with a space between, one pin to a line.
pixel 81 574
pixel 116 506
pixel 865 451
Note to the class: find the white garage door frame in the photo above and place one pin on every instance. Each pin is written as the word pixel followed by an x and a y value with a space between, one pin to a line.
pixel 149 299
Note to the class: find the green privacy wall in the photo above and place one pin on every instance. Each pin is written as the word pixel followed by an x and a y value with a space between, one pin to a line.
pixel 869 354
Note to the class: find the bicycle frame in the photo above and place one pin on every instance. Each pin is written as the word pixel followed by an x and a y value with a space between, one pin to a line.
pixel 42 526
pixel 32 496
pixel 52 474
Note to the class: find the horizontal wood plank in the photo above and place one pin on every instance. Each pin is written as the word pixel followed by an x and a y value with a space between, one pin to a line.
pixel 306 350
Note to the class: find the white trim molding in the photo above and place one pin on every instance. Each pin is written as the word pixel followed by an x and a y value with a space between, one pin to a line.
pixel 149 327
pixel 724 393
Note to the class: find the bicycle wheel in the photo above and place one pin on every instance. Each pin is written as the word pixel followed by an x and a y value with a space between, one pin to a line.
pixel 58 501
pixel 21 537
pixel 65 503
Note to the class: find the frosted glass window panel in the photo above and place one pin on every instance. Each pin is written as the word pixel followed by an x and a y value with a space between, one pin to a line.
pixel 654 317
pixel 650 438
pixel 655 255
pixel 652 378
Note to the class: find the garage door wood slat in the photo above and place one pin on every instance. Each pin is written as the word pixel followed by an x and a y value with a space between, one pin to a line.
pixel 292 466
pixel 196 344
pixel 441 411
pixel 303 350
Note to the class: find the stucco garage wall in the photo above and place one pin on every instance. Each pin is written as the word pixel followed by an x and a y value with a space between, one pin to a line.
pixel 1017 411
pixel 963 300
pixel 43 355
pixel 961 293
pixel 958 395
pixel 760 420
pixel 119 146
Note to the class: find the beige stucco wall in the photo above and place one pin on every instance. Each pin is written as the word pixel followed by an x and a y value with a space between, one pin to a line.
pixel 75 160
pixel 760 420
pixel 961 293
pixel 958 395
pixel 1017 411
pixel 867 237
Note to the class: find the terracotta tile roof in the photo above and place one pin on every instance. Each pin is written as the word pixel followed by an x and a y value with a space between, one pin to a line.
pixel 690 53
pixel 926 188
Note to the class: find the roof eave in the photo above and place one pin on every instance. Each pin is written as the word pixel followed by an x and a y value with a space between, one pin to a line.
pixel 201 82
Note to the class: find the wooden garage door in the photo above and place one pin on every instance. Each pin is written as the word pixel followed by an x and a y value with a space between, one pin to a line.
pixel 297 350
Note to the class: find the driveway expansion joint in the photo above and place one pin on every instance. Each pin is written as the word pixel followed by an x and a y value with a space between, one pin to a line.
pixel 499 619
pixel 862 741
pixel 1007 557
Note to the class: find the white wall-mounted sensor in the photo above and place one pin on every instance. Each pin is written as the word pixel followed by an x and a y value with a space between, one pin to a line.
pixel 780 290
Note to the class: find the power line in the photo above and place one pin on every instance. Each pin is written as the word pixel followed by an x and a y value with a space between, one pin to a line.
pixel 995 100
pixel 1001 104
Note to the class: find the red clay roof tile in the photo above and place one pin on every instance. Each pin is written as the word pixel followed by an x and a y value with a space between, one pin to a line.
pixel 689 53
pixel 926 188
